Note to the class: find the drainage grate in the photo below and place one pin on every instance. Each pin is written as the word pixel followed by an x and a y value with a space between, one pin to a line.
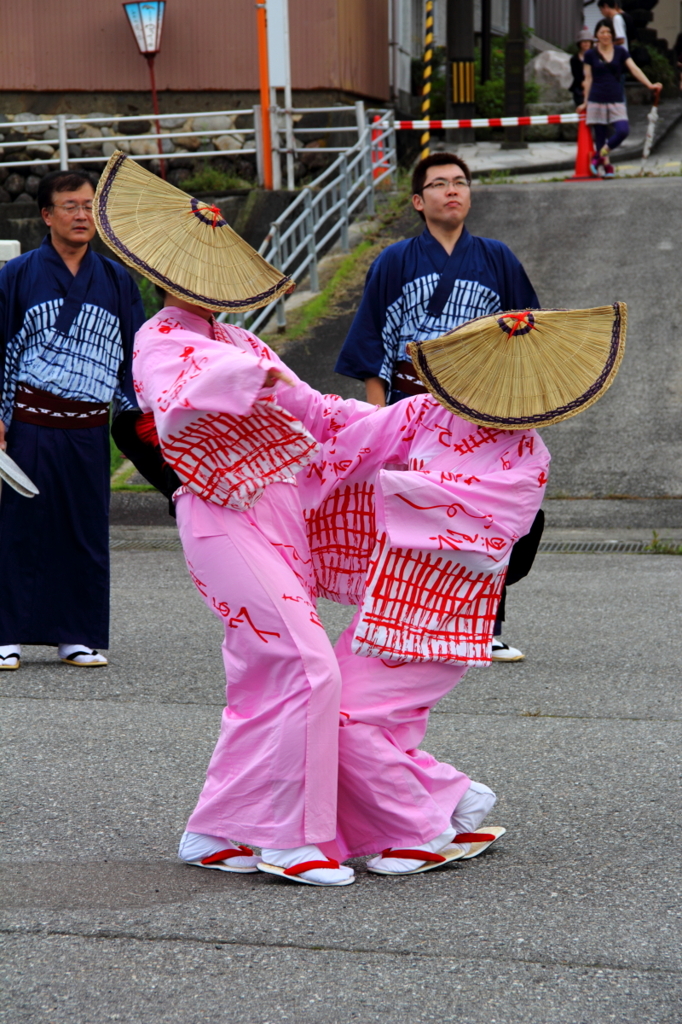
pixel 152 544
pixel 564 547
pixel 597 547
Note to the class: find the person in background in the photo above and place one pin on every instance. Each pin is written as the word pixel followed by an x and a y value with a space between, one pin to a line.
pixel 422 288
pixel 584 42
pixel 68 317
pixel 605 96
pixel 617 16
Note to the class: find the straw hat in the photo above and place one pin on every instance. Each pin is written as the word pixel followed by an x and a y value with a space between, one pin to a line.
pixel 524 369
pixel 180 243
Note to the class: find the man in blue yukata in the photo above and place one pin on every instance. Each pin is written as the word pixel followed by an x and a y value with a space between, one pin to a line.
pixel 68 318
pixel 424 287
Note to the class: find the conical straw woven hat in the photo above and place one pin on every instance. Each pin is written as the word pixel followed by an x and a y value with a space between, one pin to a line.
pixel 524 369
pixel 180 243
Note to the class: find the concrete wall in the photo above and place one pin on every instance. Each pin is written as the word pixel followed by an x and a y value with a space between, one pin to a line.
pixel 667 20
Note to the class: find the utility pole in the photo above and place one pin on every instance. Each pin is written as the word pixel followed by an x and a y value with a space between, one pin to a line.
pixel 485 40
pixel 514 76
pixel 460 76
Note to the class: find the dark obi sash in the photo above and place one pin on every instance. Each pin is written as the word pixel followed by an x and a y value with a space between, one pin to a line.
pixel 42 408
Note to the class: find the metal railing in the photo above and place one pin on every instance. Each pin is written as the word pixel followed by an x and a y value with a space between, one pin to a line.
pixel 63 143
pixel 318 216
pixel 321 213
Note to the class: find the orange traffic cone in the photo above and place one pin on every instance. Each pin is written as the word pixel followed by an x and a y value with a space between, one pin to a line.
pixel 584 153
pixel 379 161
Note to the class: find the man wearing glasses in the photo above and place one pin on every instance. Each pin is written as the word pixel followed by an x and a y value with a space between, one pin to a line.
pixel 422 288
pixel 68 318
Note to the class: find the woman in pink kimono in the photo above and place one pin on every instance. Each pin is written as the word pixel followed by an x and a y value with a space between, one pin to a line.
pixel 408 512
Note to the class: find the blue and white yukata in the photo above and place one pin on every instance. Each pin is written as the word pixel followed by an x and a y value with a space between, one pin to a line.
pixel 486 278
pixel 65 355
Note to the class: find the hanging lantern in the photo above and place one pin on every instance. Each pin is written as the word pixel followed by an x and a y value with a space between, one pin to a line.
pixel 146 22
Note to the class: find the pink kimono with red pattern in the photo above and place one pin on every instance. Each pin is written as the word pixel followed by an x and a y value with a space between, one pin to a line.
pixel 408 512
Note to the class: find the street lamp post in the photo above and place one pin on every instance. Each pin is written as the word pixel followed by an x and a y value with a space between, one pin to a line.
pixel 146 21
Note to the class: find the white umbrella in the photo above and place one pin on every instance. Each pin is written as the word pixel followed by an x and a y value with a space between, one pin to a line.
pixel 652 118
pixel 15 477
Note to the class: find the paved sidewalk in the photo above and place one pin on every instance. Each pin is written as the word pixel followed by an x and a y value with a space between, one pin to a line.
pixel 548 158
pixel 573 919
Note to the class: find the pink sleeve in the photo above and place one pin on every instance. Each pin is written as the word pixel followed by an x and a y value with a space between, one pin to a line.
pixel 323 415
pixel 182 372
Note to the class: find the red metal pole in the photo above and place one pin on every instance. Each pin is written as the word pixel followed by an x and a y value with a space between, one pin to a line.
pixel 262 28
pixel 149 57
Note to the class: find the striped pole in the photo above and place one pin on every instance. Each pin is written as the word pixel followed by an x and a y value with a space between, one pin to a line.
pixel 428 65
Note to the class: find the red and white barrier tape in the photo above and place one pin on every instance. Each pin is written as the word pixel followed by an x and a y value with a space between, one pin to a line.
pixel 491 122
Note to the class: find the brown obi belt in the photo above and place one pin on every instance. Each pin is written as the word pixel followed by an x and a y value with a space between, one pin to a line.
pixel 33 405
pixel 405 379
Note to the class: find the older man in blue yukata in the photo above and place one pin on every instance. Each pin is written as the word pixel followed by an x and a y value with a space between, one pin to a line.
pixel 424 287
pixel 68 318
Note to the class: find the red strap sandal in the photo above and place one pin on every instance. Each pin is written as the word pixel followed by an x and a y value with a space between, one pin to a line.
pixel 241 851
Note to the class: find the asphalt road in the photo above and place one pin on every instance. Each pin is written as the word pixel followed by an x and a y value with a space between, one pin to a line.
pixel 573 919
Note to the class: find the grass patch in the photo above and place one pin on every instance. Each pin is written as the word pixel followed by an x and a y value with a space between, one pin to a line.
pixel 300 321
pixel 662 546
pixel 496 176
pixel 353 267
pixel 132 487
pixel 117 457
pixel 212 179
pixel 151 300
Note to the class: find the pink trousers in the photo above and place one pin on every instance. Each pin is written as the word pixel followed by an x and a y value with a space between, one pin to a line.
pixel 316 745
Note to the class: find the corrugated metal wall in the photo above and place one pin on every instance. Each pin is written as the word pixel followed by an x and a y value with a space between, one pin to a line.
pixel 86 45
pixel 558 21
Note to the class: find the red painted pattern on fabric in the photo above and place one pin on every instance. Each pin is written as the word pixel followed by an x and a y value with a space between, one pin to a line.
pixel 228 459
pixel 542 479
pixel 452 509
pixel 192 370
pixel 243 616
pixel 484 435
pixel 342 535
pixel 427 606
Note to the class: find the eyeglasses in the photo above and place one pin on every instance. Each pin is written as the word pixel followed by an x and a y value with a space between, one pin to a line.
pixel 440 184
pixel 72 208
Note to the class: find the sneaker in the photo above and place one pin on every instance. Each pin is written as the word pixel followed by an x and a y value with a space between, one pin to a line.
pixel 595 164
pixel 609 171
pixel 604 152
pixel 503 652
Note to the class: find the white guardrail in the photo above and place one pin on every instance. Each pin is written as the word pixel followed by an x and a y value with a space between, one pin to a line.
pixel 67 137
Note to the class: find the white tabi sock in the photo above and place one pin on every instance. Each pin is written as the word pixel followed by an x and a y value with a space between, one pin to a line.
pixel 194 847
pixel 81 653
pixel 301 854
pixel 10 655
pixel 400 864
pixel 474 806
